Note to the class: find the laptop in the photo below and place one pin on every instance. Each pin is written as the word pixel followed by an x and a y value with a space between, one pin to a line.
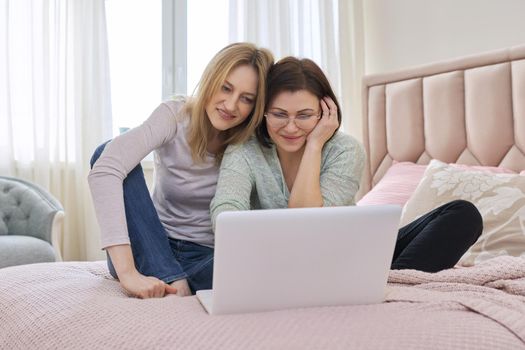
pixel 293 258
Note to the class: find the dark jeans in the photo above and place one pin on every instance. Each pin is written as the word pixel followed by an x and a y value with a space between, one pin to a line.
pixel 156 254
pixel 438 239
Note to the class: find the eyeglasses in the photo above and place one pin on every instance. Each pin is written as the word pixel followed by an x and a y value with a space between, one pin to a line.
pixel 302 121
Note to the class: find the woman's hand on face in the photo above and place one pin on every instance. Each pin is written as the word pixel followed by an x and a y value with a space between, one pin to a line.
pixel 144 287
pixel 326 126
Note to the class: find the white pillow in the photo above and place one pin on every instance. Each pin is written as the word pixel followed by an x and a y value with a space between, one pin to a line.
pixel 500 198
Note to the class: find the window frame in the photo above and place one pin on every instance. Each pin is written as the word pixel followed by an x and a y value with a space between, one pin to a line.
pixel 174 48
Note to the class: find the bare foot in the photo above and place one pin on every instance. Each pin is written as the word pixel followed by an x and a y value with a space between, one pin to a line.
pixel 183 289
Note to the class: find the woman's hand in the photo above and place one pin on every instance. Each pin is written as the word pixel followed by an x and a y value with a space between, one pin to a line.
pixel 135 283
pixel 143 287
pixel 326 126
pixel 306 189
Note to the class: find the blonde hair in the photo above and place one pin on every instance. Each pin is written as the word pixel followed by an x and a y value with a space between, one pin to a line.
pixel 215 74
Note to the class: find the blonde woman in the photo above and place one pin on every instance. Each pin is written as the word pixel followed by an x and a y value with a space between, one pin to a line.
pixel 163 243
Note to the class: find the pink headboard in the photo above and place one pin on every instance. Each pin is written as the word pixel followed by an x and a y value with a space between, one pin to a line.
pixel 469 110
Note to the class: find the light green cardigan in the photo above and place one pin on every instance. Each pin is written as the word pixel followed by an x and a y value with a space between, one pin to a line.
pixel 251 176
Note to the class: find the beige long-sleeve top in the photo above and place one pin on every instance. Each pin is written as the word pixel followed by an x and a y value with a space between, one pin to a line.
pixel 182 190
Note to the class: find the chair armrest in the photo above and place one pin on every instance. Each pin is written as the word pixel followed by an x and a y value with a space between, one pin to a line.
pixel 56 234
pixel 30 210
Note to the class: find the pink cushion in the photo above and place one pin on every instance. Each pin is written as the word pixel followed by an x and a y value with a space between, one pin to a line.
pixel 396 186
pixel 402 178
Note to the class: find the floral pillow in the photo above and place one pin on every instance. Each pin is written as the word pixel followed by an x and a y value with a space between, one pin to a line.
pixel 402 178
pixel 500 198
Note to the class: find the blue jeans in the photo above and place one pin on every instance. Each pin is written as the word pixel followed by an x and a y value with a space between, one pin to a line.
pixel 156 254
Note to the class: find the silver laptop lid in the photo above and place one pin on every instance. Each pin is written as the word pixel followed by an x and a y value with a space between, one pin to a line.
pixel 288 258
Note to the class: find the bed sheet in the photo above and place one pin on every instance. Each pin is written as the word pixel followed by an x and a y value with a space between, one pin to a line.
pixel 73 305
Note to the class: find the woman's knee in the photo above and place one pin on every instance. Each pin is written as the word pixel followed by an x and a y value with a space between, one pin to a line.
pixel 469 215
pixel 466 208
pixel 97 153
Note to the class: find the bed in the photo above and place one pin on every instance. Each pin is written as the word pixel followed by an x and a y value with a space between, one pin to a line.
pixel 462 119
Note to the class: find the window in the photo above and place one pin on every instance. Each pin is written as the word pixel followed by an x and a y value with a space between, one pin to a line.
pixel 137 32
pixel 135 58
pixel 208 32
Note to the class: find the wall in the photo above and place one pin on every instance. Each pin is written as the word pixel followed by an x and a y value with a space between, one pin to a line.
pixel 403 33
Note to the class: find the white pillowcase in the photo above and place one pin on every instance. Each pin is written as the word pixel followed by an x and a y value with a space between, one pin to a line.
pixel 500 198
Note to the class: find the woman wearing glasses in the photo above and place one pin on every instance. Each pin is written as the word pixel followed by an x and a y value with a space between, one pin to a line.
pixel 299 159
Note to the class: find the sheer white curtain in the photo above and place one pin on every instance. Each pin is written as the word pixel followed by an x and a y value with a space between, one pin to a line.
pixel 326 31
pixel 55 104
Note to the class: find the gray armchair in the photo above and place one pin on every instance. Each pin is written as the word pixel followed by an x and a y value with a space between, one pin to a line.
pixel 30 223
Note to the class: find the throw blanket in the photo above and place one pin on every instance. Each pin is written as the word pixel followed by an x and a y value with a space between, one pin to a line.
pixel 78 305
pixel 494 289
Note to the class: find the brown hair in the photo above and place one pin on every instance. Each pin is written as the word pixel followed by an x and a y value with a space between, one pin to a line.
pixel 216 72
pixel 294 74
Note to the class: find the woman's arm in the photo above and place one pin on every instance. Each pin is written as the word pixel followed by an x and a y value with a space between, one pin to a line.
pixel 120 156
pixel 342 171
pixel 306 190
pixel 235 184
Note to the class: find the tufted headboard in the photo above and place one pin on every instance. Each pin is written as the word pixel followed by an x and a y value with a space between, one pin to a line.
pixel 469 110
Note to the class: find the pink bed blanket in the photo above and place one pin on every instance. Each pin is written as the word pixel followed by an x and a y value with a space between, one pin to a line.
pixel 78 305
